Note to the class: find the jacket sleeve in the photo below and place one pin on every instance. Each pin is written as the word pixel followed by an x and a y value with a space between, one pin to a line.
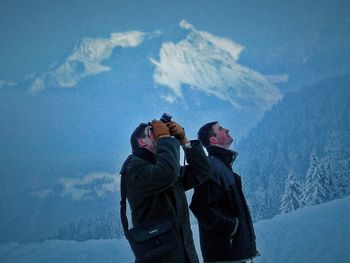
pixel 204 207
pixel 148 178
pixel 198 169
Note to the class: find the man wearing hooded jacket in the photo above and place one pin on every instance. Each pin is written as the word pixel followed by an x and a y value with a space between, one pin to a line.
pixel 156 184
pixel 225 226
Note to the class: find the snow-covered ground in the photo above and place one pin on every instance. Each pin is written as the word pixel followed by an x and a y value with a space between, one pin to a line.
pixel 314 234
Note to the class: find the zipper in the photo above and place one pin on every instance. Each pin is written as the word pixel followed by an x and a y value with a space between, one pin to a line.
pixel 231 240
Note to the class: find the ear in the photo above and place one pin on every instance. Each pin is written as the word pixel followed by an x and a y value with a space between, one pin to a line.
pixel 213 140
pixel 142 142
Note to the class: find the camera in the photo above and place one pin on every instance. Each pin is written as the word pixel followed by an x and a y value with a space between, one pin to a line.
pixel 165 117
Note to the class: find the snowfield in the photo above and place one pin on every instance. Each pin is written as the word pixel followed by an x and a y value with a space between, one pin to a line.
pixel 313 234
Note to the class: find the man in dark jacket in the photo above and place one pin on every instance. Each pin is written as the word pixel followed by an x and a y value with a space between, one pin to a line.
pixel 225 226
pixel 156 184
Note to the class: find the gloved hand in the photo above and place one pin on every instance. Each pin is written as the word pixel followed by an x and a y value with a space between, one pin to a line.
pixel 160 129
pixel 177 131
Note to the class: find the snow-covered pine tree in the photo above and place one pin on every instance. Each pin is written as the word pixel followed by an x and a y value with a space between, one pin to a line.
pixel 101 227
pixel 337 152
pixel 302 198
pixel 292 194
pixel 315 188
pixel 331 179
pixel 261 208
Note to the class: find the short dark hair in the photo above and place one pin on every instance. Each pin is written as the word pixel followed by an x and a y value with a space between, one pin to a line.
pixel 205 132
pixel 139 132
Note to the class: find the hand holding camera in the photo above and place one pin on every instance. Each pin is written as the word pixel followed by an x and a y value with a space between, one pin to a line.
pixel 160 129
pixel 177 131
pixel 174 128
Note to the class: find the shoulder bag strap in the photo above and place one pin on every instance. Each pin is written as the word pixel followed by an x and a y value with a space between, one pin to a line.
pixel 123 216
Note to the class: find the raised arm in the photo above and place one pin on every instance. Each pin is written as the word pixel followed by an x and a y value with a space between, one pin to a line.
pixel 152 178
pixel 198 168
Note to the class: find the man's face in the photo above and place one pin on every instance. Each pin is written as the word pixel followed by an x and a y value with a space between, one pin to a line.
pixel 150 140
pixel 222 138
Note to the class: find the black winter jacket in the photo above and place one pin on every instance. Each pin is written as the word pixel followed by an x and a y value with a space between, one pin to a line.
pixel 156 189
pixel 225 225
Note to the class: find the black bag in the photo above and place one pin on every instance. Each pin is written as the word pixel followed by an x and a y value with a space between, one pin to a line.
pixel 151 242
pixel 152 239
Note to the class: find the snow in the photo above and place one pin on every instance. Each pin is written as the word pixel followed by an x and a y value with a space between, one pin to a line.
pixel 112 250
pixel 313 234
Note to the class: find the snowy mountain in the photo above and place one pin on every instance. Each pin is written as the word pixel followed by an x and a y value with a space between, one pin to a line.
pixel 317 234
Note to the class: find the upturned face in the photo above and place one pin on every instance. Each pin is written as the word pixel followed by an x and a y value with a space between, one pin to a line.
pixel 149 142
pixel 151 139
pixel 222 137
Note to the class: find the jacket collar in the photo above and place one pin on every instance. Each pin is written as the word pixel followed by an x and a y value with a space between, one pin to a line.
pixel 145 155
pixel 224 155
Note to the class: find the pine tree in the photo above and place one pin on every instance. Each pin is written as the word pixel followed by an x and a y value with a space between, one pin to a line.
pixel 330 175
pixel 337 152
pixel 101 227
pixel 316 183
pixel 292 194
pixel 303 194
